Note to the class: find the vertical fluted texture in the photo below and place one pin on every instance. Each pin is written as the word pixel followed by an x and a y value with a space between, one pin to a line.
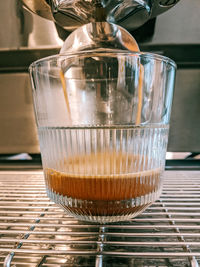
pixel 104 164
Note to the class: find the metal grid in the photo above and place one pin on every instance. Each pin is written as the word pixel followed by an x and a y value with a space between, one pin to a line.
pixel 35 232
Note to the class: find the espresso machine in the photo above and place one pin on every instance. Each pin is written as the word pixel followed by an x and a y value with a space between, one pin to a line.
pixel 38 28
pixel 35 232
pixel 71 15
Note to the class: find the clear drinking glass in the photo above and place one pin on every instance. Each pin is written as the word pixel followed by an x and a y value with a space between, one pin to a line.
pixel 103 121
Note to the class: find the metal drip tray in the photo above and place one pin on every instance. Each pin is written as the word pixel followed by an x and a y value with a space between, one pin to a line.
pixel 35 232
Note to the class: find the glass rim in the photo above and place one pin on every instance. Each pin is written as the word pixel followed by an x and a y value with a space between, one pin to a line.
pixel 90 53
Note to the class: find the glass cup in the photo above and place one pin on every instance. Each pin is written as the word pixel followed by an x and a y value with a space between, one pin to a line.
pixel 103 121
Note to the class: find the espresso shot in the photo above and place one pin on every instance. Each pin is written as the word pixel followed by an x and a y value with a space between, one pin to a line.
pixel 103 123
pixel 109 173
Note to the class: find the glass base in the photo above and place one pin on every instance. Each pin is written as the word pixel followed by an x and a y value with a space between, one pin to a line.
pixel 104 211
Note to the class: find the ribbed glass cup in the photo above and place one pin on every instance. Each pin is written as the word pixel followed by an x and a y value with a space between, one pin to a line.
pixel 103 120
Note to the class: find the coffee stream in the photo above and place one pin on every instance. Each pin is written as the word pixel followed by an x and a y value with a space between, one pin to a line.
pixel 62 79
pixel 139 107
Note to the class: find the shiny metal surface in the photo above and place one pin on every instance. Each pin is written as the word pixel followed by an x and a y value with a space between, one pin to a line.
pixel 185 122
pixel 35 232
pixel 21 28
pixel 40 7
pixel 18 129
pixel 99 35
pixel 179 25
pixel 24 29
pixel 72 14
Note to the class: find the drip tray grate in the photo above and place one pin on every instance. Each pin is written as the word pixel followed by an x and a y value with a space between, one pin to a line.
pixel 35 232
